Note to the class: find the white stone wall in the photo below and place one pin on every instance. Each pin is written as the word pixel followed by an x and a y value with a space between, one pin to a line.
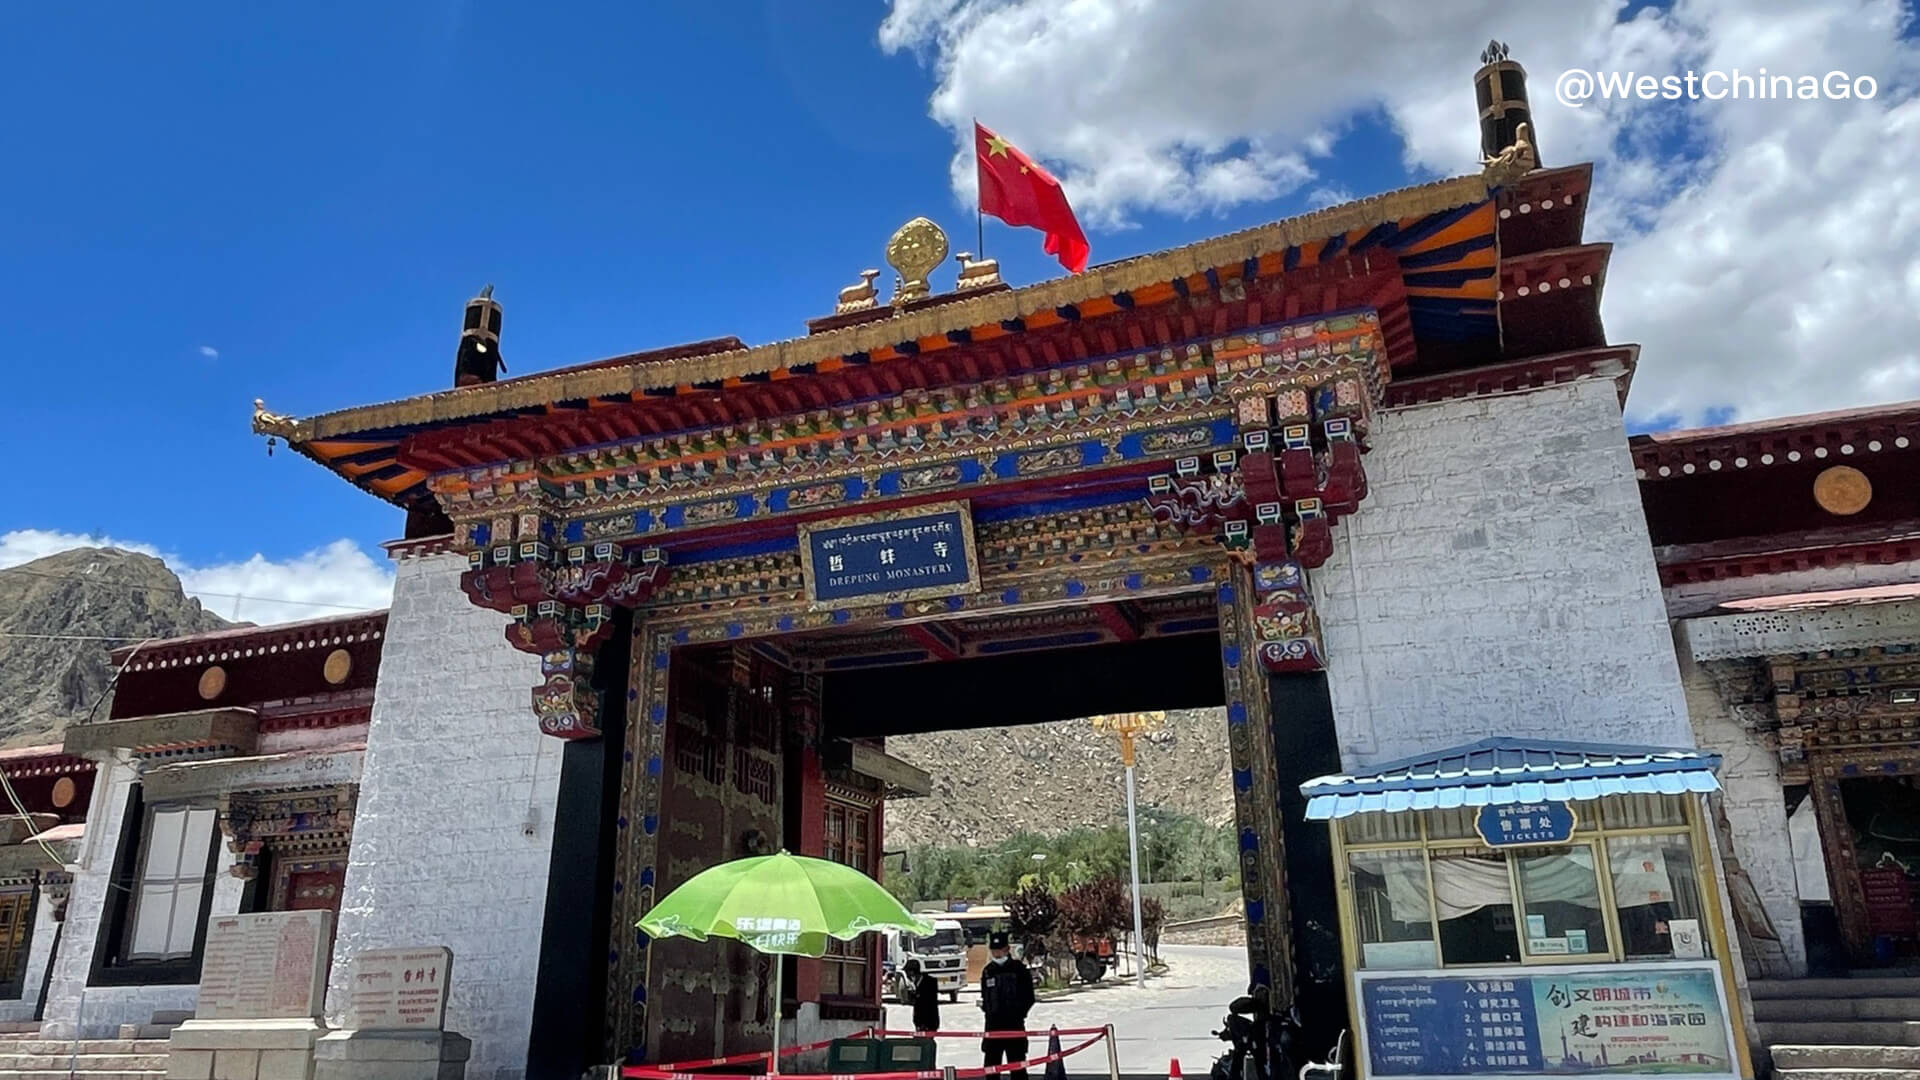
pixel 453 830
pixel 1756 808
pixel 1498 580
pixel 74 1009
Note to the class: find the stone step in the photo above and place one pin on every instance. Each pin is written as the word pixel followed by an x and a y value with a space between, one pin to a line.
pixel 1840 1032
pixel 1846 1008
pixel 84 1046
pixel 1877 986
pixel 147 1031
pixel 1842 1074
pixel 64 1075
pixel 1845 1057
pixel 84 1062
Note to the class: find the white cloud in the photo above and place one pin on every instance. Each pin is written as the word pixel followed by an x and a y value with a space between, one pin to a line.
pixel 330 580
pixel 209 352
pixel 1772 265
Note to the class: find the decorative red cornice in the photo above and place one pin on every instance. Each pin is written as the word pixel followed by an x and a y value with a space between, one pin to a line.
pixel 55 763
pixel 1831 437
pixel 419 547
pixel 253 642
pixel 315 719
pixel 1616 362
pixel 1698 567
pixel 1544 209
pixel 1543 272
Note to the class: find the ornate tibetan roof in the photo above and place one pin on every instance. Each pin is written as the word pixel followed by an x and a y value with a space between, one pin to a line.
pixel 1509 770
pixel 1440 238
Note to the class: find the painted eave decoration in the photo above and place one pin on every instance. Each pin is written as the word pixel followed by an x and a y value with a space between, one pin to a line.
pixel 1442 237
pixel 1508 770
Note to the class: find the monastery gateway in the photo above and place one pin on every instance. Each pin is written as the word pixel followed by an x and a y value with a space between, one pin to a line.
pixel 1357 478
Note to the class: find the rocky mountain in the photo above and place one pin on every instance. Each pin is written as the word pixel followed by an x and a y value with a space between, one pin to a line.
pixel 1060 776
pixel 49 674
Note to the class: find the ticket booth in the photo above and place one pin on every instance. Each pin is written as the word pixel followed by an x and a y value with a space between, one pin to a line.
pixel 1533 908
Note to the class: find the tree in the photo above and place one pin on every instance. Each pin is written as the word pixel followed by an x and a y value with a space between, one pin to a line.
pixel 1033 912
pixel 1153 917
pixel 1096 908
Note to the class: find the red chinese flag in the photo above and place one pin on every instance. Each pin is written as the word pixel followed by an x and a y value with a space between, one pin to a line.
pixel 1019 192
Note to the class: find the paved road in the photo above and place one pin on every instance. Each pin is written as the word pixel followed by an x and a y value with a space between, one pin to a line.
pixel 1170 1019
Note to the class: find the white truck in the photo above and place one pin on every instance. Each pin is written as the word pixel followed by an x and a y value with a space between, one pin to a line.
pixel 943 955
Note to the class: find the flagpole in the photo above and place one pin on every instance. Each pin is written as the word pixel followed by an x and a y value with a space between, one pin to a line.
pixel 979 215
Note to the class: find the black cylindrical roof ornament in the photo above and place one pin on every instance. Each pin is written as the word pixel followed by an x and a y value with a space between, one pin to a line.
pixel 478 359
pixel 1500 87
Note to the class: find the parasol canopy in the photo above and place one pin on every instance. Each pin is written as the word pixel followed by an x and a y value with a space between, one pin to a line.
pixel 786 904
pixel 783 903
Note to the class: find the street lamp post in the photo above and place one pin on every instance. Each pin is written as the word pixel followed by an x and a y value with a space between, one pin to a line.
pixel 1127 726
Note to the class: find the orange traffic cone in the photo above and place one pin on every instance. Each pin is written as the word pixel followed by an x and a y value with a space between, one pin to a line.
pixel 1173 1070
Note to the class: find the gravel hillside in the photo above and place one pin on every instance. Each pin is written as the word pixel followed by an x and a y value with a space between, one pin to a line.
pixel 1062 775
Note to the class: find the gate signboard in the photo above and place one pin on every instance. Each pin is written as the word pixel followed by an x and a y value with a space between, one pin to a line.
pixel 914 554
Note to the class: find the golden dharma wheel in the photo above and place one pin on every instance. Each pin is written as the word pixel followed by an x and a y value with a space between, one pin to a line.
pixel 1842 490
pixel 338 666
pixel 212 682
pixel 916 250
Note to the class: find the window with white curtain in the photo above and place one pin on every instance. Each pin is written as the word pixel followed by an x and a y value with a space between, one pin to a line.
pixel 1426 891
pixel 172 883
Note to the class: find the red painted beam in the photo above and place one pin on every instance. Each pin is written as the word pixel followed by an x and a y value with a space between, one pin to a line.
pixel 1119 622
pixel 931 641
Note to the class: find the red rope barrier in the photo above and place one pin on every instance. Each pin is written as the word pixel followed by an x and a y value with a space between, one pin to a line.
pixel 1017 1066
pixel 681 1070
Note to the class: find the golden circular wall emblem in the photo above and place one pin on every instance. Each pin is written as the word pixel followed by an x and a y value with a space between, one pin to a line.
pixel 212 682
pixel 63 791
pixel 339 665
pixel 1842 490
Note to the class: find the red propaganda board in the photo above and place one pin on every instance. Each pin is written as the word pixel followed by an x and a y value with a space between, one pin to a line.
pixel 1889 897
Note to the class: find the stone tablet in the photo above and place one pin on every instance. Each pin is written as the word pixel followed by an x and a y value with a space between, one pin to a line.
pixel 400 989
pixel 267 966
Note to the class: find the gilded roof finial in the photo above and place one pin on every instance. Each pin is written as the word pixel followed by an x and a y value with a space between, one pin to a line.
pixel 915 250
pixel 275 426
pixel 859 297
pixel 1513 162
pixel 976 273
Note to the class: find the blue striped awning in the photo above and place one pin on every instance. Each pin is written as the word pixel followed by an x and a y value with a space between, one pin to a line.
pixel 1506 770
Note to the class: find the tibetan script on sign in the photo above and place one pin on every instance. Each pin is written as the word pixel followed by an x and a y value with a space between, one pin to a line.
pixel 890 557
pixel 399 989
pixel 1517 824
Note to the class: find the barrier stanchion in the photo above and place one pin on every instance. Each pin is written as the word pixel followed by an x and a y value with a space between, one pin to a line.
pixel 684 1070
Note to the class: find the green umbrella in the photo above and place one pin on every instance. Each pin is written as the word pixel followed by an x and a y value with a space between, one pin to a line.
pixel 785 904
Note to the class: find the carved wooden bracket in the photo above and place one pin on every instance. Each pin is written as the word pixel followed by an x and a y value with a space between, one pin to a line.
pixel 562 605
pixel 1274 500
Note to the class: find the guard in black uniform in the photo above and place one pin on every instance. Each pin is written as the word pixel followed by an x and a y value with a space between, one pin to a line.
pixel 1006 996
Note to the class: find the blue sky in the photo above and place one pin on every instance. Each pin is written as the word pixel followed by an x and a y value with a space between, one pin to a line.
pixel 204 204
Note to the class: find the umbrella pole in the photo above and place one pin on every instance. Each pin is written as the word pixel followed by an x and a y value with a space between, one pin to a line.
pixel 779 970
